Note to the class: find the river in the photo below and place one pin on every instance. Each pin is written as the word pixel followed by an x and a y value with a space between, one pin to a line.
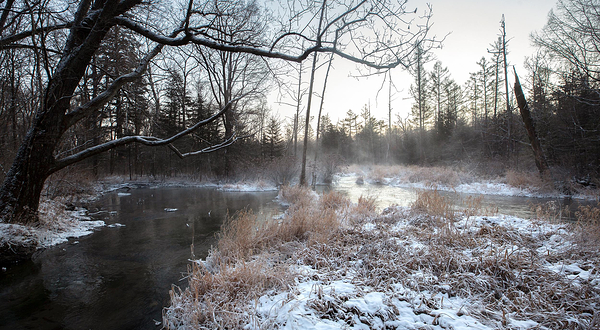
pixel 119 277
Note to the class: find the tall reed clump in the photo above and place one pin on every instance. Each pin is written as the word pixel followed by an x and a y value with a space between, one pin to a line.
pixel 251 258
pixel 364 210
pixel 587 226
pixel 433 204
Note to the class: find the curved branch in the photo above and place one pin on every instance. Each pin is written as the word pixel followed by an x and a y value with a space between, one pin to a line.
pixel 99 101
pixel 184 40
pixel 145 140
pixel 231 140
pixel 5 42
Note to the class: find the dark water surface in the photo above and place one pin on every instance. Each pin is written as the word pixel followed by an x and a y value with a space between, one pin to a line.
pixel 119 277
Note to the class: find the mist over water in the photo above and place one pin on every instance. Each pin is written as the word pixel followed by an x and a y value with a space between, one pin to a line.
pixel 388 195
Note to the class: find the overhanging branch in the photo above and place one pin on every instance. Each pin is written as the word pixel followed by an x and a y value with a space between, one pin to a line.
pixel 212 148
pixel 145 140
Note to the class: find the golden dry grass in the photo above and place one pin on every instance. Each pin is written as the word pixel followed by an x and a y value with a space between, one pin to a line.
pixel 251 258
pixel 429 249
pixel 431 202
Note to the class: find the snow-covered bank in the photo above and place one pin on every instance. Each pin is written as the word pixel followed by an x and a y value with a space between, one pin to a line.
pixel 56 226
pixel 424 267
pixel 449 179
pixel 115 183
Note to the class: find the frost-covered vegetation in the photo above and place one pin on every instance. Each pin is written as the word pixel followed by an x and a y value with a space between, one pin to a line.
pixel 331 264
pixel 472 179
pixel 56 225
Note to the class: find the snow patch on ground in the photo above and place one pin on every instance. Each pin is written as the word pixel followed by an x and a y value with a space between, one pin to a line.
pixel 64 225
pixel 248 187
pixel 339 304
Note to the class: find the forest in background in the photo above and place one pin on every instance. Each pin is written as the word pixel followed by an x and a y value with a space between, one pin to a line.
pixel 475 123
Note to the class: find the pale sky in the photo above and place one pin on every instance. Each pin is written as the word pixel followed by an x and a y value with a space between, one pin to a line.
pixel 473 26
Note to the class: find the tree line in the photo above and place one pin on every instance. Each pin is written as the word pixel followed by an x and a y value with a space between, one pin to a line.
pixel 479 122
pixel 130 86
pixel 101 85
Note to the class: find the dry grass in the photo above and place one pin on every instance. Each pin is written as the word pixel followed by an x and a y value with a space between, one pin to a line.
pixel 435 176
pixel 430 250
pixel 334 200
pixel 251 258
pixel 552 212
pixel 503 275
pixel 587 226
pixel 529 180
pixel 220 299
pixel 430 202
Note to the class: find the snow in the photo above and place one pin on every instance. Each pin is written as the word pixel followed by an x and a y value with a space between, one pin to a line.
pixel 338 297
pixel 481 188
pixel 370 310
pixel 69 224
pixel 248 187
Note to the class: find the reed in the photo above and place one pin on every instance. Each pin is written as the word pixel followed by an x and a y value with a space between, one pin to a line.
pixel 431 251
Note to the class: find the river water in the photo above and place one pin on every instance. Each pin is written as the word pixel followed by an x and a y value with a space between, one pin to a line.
pixel 386 195
pixel 119 277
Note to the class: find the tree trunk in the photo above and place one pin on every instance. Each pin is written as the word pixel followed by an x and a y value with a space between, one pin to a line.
pixel 20 193
pixel 303 181
pixel 22 187
pixel 540 160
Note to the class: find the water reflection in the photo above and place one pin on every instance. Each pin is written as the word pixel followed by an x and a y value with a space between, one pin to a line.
pixel 119 277
pixel 391 195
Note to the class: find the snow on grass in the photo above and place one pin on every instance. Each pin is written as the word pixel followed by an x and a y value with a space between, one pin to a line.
pixel 424 267
pixel 56 226
pixel 512 183
pixel 248 186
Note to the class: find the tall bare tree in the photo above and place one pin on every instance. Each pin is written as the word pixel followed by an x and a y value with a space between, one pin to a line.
pixel 353 31
pixel 572 35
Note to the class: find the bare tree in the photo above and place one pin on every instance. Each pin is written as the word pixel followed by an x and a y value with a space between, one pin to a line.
pixel 572 35
pixel 371 33
pixel 319 116
pixel 540 158
pixel 508 108
pixel 421 111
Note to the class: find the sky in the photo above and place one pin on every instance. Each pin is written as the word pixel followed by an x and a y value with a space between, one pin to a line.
pixel 470 27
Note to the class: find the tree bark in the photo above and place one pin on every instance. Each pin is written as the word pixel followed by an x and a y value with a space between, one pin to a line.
pixel 538 153
pixel 21 190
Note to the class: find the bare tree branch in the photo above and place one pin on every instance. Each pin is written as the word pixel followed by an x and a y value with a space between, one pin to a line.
pixel 145 140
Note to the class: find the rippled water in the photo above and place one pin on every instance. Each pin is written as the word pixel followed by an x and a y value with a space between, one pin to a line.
pixel 119 277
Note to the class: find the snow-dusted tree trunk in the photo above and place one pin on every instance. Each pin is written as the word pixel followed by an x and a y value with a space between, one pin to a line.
pixel 20 192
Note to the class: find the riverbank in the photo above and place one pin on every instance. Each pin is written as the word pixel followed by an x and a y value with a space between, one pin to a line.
pixel 330 264
pixel 470 180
